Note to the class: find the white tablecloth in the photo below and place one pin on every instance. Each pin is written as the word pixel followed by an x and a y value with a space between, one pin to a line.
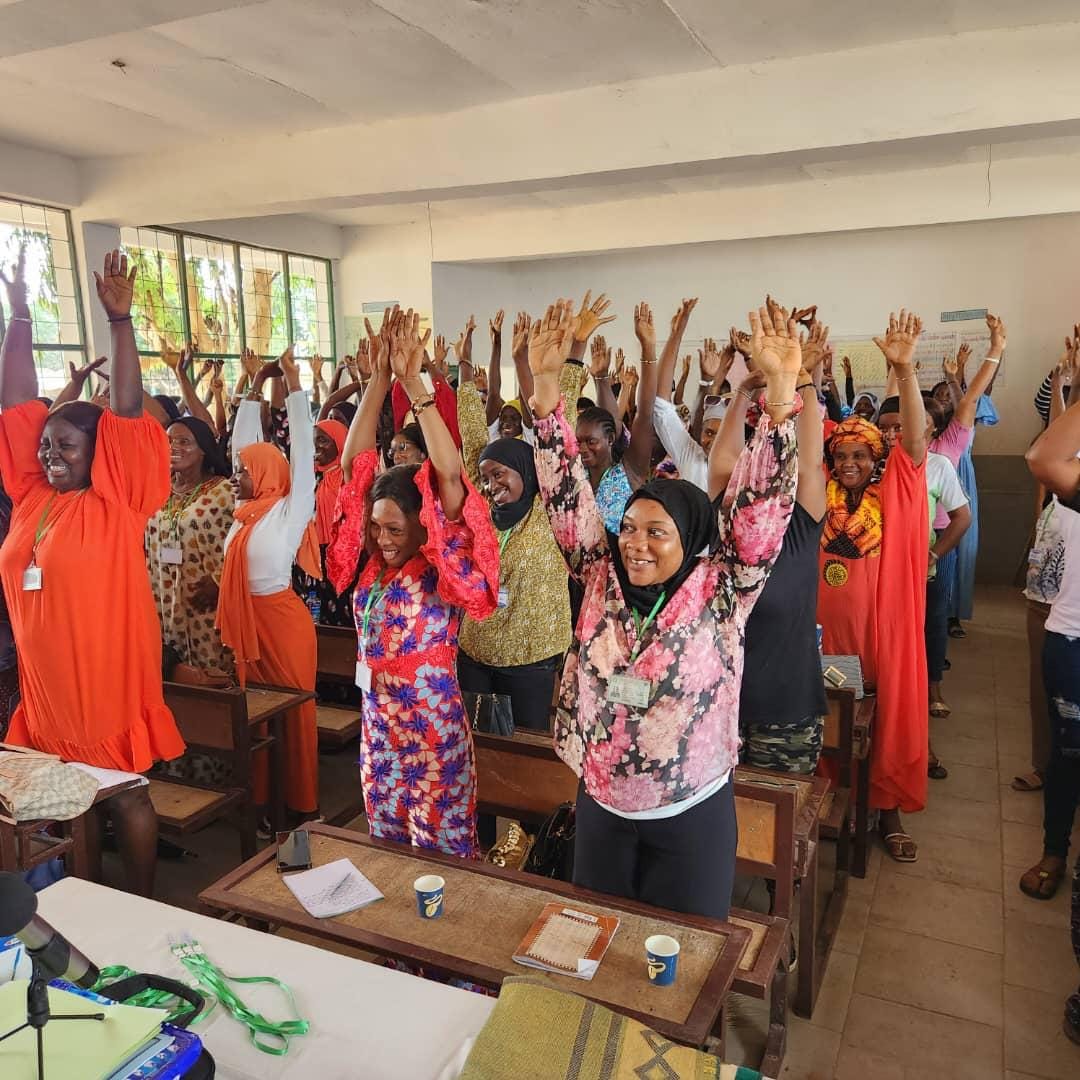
pixel 366 1021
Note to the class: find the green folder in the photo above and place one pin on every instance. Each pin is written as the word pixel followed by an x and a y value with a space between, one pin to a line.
pixel 74 1049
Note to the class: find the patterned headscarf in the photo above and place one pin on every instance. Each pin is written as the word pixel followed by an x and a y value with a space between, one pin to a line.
pixel 856 429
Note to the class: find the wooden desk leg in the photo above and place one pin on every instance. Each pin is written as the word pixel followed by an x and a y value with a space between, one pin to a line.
pixel 9 849
pixel 277 773
pixel 776 1042
pixel 77 857
pixel 809 976
pixel 862 816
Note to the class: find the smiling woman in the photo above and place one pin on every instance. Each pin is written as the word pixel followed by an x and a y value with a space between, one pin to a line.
pixel 83 482
pixel 433 558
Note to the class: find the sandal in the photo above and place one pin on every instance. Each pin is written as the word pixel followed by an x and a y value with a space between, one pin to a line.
pixel 956 630
pixel 1042 884
pixel 1032 781
pixel 935 770
pixel 900 846
pixel 939 709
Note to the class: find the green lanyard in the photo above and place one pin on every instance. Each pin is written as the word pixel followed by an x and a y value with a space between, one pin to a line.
pixel 173 513
pixel 642 625
pixel 373 596
pixel 504 538
pixel 44 525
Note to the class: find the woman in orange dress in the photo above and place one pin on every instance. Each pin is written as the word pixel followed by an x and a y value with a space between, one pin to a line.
pixel 84 481
pixel 872 592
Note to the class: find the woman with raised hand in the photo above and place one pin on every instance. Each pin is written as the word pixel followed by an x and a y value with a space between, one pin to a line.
pixel 259 615
pixel 185 547
pixel 648 714
pixel 434 558
pixel 872 593
pixel 84 481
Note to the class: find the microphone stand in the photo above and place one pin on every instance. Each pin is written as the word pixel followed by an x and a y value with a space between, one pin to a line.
pixel 37 1011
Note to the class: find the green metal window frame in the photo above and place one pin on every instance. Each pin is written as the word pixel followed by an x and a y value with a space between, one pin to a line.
pixel 40 347
pixel 236 246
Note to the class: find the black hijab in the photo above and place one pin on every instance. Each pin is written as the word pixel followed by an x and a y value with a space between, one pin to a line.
pixel 515 454
pixel 214 459
pixel 695 518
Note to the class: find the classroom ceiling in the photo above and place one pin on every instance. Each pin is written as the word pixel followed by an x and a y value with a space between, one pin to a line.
pixel 93 78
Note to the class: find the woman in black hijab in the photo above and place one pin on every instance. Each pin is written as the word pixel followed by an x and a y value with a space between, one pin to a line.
pixel 648 713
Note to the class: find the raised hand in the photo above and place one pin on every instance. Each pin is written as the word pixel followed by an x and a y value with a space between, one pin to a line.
pixel 550 339
pixel 79 375
pixel 814 345
pixel 17 293
pixel 170 357
pixel 620 363
pixel 519 342
pixel 827 364
pixel 997 335
pixel 600 360
pixel 495 326
pixel 250 363
pixel 591 316
pixel 740 342
pixel 115 285
pixel 316 365
pixel 806 316
pixel 681 318
pixel 360 368
pixel 684 372
pixel 950 367
pixel 630 378
pixel 407 347
pixel 480 378
pixel 442 350
pixel 898 344
pixel 774 346
pixel 644 330
pixel 463 345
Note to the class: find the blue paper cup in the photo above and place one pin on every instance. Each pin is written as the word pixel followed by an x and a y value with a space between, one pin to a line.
pixel 429 896
pixel 662 957
pixel 820 638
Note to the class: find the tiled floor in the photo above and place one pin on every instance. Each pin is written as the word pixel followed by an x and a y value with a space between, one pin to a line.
pixel 942 967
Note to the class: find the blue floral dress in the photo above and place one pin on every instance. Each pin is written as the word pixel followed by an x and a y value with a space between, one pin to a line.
pixel 611 496
pixel 416 758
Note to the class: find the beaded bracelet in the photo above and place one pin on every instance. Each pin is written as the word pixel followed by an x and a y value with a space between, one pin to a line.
pixel 421 404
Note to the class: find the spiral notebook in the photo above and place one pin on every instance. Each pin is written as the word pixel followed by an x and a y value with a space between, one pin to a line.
pixel 567 941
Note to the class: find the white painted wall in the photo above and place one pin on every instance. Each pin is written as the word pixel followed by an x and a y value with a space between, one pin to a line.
pixel 1022 268
pixel 38 176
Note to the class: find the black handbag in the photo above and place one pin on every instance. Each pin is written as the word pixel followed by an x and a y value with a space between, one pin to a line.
pixel 552 852
pixel 490 714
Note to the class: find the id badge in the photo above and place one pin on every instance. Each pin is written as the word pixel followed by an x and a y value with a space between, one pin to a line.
pixel 363 676
pixel 172 556
pixel 31 579
pixel 504 598
pixel 629 690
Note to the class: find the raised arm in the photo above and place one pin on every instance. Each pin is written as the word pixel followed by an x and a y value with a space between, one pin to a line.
pixel 115 287
pixel 600 370
pixel 406 362
pixel 969 403
pixel 1052 457
pixel 365 424
pixel 564 484
pixel 519 350
pixel 898 348
pixel 849 382
pixel 177 362
pixel 638 454
pixel 809 430
pixel 730 440
pixel 300 501
pixel 18 375
pixel 494 362
pixel 666 374
pixel 77 380
pixel 217 393
pixel 951 368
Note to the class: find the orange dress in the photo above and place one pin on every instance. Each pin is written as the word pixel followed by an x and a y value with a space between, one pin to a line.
pixel 89 641
pixel 873 606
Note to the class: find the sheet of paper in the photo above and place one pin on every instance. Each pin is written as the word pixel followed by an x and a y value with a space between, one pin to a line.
pixel 74 1049
pixel 107 778
pixel 334 889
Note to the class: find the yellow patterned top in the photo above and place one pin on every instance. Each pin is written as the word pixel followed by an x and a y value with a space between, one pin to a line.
pixel 535 623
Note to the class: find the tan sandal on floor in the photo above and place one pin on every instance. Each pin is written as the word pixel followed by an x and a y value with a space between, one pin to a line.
pixel 900 846
pixel 939 709
pixel 1042 884
pixel 1032 781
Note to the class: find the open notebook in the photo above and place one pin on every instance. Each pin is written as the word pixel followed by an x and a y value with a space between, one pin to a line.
pixel 567 941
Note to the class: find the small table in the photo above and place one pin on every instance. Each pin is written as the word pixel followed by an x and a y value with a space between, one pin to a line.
pixel 488 911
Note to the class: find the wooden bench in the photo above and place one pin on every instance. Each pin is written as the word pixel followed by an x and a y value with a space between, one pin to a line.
pixel 338 726
pixel 224 724
pixel 336 661
pixel 521 777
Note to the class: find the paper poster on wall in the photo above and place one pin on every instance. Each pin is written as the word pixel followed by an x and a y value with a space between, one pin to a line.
pixel 930 353
pixel 979 343
pixel 867 363
pixel 355 330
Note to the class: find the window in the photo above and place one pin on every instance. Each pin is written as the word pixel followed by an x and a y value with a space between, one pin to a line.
pixel 55 303
pixel 225 297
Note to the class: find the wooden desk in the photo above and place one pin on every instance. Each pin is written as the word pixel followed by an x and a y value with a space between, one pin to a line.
pixel 488 911
pixel 25 844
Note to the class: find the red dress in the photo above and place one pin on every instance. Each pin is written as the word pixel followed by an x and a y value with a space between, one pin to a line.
pixel 874 606
pixel 89 639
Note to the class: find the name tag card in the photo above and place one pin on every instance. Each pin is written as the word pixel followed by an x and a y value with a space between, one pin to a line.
pixel 172 556
pixel 504 598
pixel 629 690
pixel 31 579
pixel 363 676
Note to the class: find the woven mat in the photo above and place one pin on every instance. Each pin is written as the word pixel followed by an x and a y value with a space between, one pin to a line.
pixel 485 919
pixel 753 946
pixel 803 786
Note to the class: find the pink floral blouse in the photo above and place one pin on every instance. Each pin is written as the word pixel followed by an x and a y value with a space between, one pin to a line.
pixel 693 653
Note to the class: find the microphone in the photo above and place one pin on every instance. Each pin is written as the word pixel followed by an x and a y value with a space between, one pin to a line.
pixel 50 950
